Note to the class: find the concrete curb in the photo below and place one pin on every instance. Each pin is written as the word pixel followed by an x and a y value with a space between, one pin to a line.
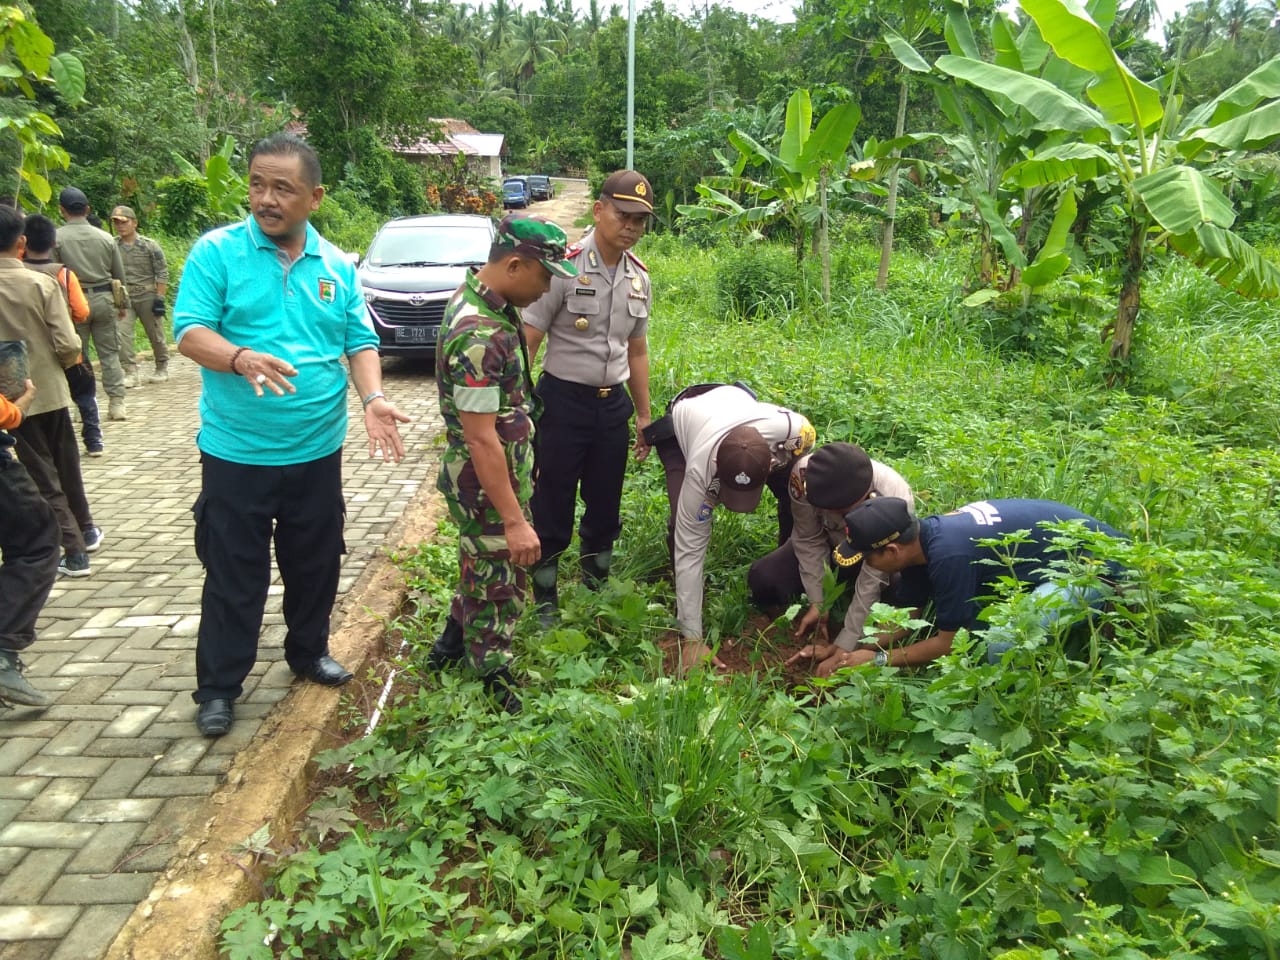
pixel 268 781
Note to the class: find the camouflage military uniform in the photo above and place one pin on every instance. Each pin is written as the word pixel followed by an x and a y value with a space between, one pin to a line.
pixel 482 367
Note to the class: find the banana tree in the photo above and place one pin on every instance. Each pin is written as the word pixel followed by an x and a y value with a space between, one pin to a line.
pixel 995 129
pixel 791 185
pixel 1140 145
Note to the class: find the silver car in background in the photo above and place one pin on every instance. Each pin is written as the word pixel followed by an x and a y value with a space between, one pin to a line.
pixel 412 268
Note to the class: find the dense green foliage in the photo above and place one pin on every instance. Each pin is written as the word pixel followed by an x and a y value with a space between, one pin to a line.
pixel 1122 804
pixel 170 78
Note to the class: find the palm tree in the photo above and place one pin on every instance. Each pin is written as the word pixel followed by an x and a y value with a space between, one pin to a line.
pixel 501 25
pixel 531 47
pixel 1137 17
pixel 594 18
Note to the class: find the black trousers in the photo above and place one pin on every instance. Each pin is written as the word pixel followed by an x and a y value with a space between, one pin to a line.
pixel 29 547
pixel 774 579
pixel 84 394
pixel 47 447
pixel 240 510
pixel 582 441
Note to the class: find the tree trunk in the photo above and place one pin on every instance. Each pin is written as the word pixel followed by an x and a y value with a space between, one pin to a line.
pixel 891 206
pixel 824 238
pixel 191 67
pixel 1130 302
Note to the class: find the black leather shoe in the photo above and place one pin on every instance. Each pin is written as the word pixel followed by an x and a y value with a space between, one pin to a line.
pixel 213 718
pixel 325 671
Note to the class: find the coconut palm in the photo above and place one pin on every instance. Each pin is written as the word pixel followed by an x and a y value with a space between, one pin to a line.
pixel 532 45
pixel 502 19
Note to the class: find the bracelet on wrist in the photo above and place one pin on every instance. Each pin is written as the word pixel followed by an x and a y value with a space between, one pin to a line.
pixel 372 397
pixel 234 357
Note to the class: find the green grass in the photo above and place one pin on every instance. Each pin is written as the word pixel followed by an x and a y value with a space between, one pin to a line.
pixel 1124 805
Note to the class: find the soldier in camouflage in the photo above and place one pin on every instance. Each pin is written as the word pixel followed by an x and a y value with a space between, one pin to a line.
pixel 486 472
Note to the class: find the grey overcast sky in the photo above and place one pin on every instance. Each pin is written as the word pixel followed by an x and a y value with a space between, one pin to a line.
pixel 780 11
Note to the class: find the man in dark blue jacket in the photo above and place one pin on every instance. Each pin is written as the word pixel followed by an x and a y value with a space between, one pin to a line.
pixel 950 560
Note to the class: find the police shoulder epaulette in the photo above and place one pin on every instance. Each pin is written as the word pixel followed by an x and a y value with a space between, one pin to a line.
pixel 573 249
pixel 638 262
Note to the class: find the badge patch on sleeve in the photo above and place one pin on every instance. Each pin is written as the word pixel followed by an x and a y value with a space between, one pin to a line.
pixel 328 291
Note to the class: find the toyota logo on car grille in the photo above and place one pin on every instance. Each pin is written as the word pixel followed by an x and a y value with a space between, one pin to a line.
pixel 417 299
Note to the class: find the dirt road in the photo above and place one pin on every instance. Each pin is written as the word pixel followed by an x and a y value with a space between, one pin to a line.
pixel 571 204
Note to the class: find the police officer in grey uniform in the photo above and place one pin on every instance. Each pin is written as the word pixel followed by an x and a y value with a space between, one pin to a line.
pixel 92 254
pixel 595 375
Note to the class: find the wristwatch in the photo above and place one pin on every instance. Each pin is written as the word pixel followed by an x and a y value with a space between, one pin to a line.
pixel 882 658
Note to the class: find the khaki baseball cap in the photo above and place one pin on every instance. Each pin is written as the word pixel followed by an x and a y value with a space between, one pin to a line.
pixel 123 213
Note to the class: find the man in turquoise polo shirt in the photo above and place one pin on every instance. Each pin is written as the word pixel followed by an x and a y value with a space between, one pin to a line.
pixel 268 309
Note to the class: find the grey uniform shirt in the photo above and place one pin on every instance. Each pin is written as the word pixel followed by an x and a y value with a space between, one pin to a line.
pixel 817 532
pixel 700 424
pixel 144 265
pixel 92 254
pixel 616 311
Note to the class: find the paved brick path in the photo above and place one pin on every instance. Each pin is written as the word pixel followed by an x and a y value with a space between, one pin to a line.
pixel 96 790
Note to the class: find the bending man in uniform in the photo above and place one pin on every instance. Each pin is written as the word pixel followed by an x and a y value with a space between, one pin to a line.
pixel 824 486
pixel 596 326
pixel 945 559
pixel 725 446
pixel 488 407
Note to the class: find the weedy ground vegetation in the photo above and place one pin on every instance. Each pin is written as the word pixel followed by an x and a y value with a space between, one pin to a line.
pixel 1114 793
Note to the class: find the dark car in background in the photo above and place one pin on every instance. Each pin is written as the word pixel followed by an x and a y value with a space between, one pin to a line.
pixel 411 270
pixel 540 187
pixel 515 192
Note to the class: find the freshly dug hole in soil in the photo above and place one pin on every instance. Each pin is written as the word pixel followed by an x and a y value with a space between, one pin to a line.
pixel 762 648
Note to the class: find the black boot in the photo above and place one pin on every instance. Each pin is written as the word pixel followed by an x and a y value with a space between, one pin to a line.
pixel 502 687
pixel 594 565
pixel 449 649
pixel 546 597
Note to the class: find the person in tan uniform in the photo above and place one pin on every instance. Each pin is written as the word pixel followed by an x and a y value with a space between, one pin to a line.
pixel 93 256
pixel 595 375
pixel 824 486
pixel 33 308
pixel 718 447
pixel 147 280
pixel 41 237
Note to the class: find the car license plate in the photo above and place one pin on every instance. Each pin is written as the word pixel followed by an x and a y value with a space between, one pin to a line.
pixel 415 334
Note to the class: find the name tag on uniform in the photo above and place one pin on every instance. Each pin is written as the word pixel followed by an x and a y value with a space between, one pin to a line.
pixel 583 292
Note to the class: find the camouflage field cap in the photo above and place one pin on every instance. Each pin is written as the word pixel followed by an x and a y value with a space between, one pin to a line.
pixel 538 239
